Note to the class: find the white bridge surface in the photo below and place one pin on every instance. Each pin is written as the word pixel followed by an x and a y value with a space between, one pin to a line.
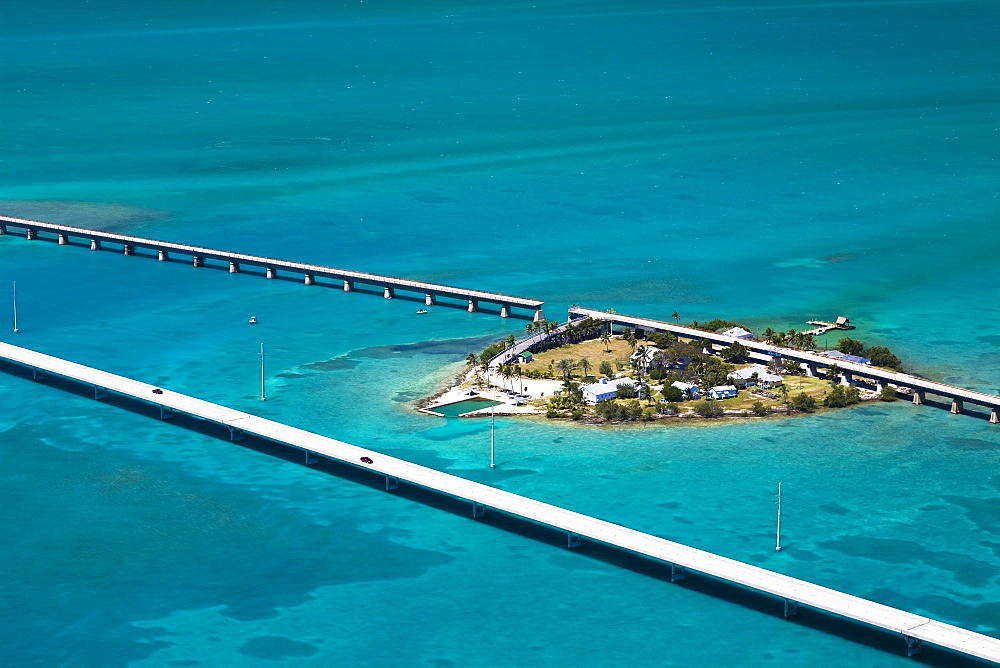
pixel 259 261
pixel 821 598
pixel 904 379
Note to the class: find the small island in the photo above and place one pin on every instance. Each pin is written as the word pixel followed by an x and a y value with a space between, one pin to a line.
pixel 582 371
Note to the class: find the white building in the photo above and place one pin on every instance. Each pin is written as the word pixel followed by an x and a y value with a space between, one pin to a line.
pixel 722 391
pixel 765 378
pixel 690 388
pixel 606 389
pixel 738 333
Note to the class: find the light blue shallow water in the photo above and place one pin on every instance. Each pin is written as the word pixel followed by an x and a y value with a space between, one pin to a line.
pixel 767 162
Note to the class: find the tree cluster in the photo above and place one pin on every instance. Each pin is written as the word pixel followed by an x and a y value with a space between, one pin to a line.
pixel 842 395
pixel 879 355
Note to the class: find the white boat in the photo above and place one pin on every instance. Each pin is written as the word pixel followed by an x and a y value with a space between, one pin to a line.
pixel 422 311
pixel 253 320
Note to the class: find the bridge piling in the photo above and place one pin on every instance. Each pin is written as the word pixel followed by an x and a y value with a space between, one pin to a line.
pixel 791 608
pixel 539 316
pixel 391 483
pixel 30 234
pixel 348 286
pixel 918 397
pixel 994 418
pixel 95 245
pixel 478 510
pixel 271 273
pixel 388 293
pixel 63 240
pixel 429 300
pixel 956 406
pixel 573 540
pixel 197 261
pixel 128 249
pixel 473 306
pixel 504 311
pixel 3 229
pixel 311 458
pixel 309 279
pixel 846 378
pixel 166 413
pixel 162 255
pixel 234 267
pixel 37 374
pixel 914 646
pixel 677 573
pixel 100 393
pixel 811 370
pixel 235 434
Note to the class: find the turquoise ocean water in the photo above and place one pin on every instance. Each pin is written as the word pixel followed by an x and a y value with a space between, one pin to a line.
pixel 770 162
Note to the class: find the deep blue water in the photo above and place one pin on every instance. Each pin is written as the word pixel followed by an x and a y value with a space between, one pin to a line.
pixel 767 162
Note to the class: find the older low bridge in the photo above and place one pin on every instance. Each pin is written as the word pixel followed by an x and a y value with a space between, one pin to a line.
pixel 678 558
pixel 309 272
pixel 812 361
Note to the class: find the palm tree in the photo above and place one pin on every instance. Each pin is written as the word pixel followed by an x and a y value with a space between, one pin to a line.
pixel 566 366
pixel 606 340
pixel 676 316
pixel 510 341
pixel 531 328
pixel 472 360
pixel 784 393
pixel 520 380
pixel 584 364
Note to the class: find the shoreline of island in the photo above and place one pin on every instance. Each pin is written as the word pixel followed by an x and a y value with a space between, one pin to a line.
pixel 652 377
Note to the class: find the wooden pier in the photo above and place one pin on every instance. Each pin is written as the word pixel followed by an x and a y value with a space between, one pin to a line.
pixel 790 592
pixel 309 272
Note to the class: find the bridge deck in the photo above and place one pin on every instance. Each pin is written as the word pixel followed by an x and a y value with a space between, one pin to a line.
pixel 260 261
pixel 753 577
pixel 904 379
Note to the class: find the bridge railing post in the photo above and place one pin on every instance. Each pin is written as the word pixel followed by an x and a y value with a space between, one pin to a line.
pixel 913 646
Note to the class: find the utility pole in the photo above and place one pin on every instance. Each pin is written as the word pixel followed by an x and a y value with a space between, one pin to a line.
pixel 263 396
pixel 493 440
pixel 777 544
pixel 14 294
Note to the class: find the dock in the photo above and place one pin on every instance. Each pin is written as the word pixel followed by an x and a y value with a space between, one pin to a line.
pixel 198 255
pixel 791 593
pixel 824 327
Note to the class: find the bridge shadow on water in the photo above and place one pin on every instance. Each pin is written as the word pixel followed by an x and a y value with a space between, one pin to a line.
pixel 695 582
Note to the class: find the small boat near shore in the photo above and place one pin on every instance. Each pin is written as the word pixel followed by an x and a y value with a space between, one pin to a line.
pixel 253 320
pixel 422 311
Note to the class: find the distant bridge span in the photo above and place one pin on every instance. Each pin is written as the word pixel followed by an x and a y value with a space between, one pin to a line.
pixel 309 272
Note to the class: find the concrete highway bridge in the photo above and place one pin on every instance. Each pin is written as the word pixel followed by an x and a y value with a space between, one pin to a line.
pixel 309 272
pixel 811 362
pixel 678 558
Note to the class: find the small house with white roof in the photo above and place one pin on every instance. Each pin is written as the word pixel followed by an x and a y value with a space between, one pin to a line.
pixel 604 390
pixel 765 378
pixel 738 333
pixel 689 388
pixel 722 392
